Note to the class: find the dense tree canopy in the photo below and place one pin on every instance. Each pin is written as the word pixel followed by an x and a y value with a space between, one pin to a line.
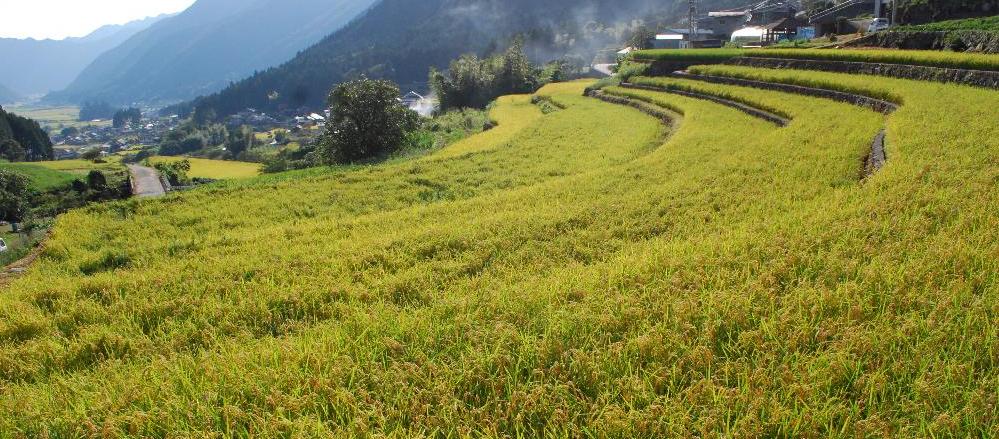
pixel 14 193
pixel 125 116
pixel 28 136
pixel 93 110
pixel 473 83
pixel 400 40
pixel 366 122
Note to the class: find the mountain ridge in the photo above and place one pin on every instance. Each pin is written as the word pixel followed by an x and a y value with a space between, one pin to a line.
pixel 45 65
pixel 226 40
pixel 401 40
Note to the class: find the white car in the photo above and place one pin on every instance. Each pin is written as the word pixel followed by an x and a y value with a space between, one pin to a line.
pixel 878 25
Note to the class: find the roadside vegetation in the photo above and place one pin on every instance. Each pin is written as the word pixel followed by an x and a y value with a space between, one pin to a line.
pixel 987 24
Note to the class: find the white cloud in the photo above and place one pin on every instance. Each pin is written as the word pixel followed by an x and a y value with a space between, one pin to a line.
pixel 59 19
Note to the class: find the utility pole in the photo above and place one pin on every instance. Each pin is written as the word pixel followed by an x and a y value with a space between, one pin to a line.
pixel 894 12
pixel 692 19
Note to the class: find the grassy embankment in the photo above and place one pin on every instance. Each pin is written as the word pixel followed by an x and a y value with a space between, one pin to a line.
pixel 42 178
pixel 987 24
pixel 563 274
pixel 927 58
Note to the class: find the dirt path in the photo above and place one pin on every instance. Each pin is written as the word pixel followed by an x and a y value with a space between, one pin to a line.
pixel 146 182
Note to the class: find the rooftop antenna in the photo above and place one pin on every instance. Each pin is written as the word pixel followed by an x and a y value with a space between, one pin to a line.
pixel 692 20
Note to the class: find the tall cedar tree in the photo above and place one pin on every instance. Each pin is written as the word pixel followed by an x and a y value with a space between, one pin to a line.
pixel 366 122
pixel 14 192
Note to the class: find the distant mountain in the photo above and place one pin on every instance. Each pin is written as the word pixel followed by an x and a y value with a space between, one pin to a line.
pixel 401 39
pixel 33 67
pixel 204 48
pixel 7 95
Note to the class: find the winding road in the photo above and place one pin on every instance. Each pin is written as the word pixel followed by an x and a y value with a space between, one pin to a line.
pixel 146 182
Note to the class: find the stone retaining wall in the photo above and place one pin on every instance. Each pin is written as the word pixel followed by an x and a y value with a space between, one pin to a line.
pixel 965 40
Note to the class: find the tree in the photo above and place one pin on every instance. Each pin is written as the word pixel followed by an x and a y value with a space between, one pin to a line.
pixel 516 74
pixel 642 38
pixel 70 132
pixel 366 121
pixel 97 181
pixel 126 115
pixel 92 110
pixel 91 154
pixel 473 83
pixel 14 192
pixel 12 151
pixel 239 140
pixel 204 115
pixel 281 136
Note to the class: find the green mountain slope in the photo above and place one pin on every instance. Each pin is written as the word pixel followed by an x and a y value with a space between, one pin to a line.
pixel 34 67
pixel 401 39
pixel 206 47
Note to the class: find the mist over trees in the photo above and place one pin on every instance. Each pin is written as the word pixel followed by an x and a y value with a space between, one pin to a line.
pixel 126 115
pixel 93 110
pixel 471 82
pixel 400 40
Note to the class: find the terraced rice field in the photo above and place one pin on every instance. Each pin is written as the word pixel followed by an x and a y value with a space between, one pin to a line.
pixel 215 169
pixel 588 272
pixel 928 58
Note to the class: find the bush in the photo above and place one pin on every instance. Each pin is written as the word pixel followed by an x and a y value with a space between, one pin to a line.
pixel 366 122
pixel 471 82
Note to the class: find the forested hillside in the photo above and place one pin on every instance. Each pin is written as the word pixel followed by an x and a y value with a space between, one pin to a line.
pixel 207 46
pixel 401 39
pixel 40 66
pixel 30 141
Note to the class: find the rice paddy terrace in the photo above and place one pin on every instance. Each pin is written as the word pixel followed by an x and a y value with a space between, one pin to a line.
pixel 727 255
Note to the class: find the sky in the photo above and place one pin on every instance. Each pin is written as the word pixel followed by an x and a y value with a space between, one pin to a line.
pixel 58 19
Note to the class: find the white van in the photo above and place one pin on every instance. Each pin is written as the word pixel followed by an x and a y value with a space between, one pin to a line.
pixel 878 25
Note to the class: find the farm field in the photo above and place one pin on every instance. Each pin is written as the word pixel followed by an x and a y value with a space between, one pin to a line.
pixel 82 167
pixel 586 272
pixel 42 177
pixel 55 117
pixel 215 169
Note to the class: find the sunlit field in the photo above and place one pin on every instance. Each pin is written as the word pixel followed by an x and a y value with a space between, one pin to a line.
pixel 55 117
pixel 215 169
pixel 590 272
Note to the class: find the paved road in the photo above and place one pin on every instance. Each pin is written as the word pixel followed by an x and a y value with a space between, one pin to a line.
pixel 145 182
pixel 604 69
